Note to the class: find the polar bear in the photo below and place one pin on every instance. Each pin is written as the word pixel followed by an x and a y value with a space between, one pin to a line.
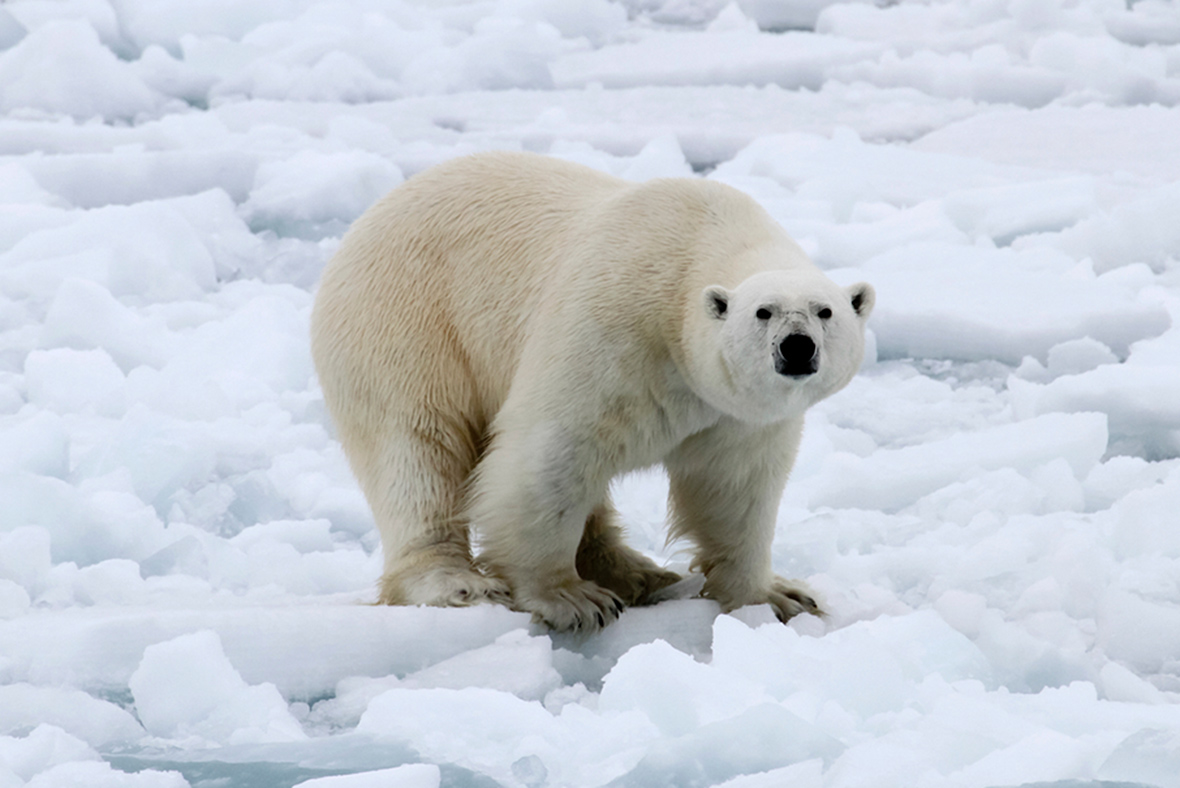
pixel 503 334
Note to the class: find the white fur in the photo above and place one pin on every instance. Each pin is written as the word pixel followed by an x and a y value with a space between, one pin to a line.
pixel 502 335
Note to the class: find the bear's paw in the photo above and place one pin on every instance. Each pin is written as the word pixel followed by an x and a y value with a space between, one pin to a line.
pixel 442 585
pixel 630 575
pixel 574 606
pixel 788 600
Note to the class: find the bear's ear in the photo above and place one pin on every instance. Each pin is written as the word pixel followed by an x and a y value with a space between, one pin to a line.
pixel 716 301
pixel 863 297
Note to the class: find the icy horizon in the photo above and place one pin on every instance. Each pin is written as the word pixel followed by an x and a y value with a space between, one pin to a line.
pixel 990 512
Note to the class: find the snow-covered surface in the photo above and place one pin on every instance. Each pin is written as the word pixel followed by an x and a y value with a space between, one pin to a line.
pixel 990 512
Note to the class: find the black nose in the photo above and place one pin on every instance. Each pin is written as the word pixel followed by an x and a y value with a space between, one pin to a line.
pixel 796 356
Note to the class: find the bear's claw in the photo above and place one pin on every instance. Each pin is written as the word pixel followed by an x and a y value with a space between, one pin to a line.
pixel 577 606
pixel 788 601
pixel 442 585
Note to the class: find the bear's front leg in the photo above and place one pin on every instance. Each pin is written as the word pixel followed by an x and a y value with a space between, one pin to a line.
pixel 532 494
pixel 724 489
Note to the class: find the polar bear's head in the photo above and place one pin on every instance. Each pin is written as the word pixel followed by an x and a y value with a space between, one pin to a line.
pixel 786 339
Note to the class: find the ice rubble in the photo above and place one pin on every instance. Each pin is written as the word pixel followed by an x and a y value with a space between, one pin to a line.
pixel 988 511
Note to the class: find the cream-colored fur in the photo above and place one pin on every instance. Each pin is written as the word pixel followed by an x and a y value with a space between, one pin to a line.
pixel 502 335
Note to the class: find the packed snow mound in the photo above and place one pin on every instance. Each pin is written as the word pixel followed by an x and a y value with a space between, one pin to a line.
pixel 987 512
pixel 62 67
pixel 212 702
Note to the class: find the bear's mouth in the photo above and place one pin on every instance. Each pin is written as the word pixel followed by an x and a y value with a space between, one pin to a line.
pixel 796 356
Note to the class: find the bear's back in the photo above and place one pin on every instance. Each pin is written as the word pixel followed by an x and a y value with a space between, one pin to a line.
pixel 484 227
pixel 448 267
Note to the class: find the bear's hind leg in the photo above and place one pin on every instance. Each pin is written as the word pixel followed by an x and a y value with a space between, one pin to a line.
pixel 439 576
pixel 605 558
pixel 416 491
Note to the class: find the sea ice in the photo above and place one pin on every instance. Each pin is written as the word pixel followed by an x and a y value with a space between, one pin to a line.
pixel 986 513
pixel 186 687
pixel 409 776
pixel 99 723
pixel 62 67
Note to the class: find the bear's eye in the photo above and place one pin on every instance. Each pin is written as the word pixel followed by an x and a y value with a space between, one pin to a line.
pixel 824 313
pixel 762 314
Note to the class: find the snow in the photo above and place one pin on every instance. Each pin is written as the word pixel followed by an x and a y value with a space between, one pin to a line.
pixel 213 702
pixel 988 512
pixel 63 67
pixel 415 775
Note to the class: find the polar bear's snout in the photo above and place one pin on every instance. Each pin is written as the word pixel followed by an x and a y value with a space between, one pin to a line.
pixel 796 356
